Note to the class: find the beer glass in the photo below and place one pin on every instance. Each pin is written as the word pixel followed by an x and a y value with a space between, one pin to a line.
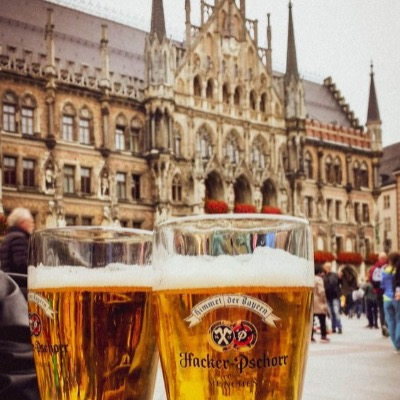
pixel 233 306
pixel 90 312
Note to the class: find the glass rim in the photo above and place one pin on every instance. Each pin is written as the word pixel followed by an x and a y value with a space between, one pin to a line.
pixel 232 217
pixel 71 232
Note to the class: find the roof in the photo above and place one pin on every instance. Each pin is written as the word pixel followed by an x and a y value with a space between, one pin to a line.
pixel 390 162
pixel 322 106
pixel 22 25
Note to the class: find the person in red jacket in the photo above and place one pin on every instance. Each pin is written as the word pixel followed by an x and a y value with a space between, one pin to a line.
pixel 375 277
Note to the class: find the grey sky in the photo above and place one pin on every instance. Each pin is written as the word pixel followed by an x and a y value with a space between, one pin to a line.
pixel 336 38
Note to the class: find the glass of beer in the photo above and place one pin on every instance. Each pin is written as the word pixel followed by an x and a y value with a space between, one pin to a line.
pixel 90 312
pixel 233 306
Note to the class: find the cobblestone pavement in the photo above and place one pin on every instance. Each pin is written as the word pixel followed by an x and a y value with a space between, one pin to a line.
pixel 358 365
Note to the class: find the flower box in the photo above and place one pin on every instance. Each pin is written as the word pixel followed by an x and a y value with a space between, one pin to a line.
pixel 321 257
pixel 347 257
pixel 216 207
pixel 244 208
pixel 271 210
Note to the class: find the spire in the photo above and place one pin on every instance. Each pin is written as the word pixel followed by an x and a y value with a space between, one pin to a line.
pixel 157 20
pixel 291 60
pixel 269 46
pixel 373 109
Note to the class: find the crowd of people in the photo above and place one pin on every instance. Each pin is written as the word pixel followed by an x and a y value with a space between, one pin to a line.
pixel 344 293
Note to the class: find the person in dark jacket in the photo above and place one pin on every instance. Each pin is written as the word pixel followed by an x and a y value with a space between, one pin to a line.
pixel 14 247
pixel 333 293
pixel 17 371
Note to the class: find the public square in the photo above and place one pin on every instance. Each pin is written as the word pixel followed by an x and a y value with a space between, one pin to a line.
pixel 359 364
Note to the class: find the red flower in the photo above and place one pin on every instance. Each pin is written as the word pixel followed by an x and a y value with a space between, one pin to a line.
pixel 3 224
pixel 321 257
pixel 271 210
pixel 347 257
pixel 216 207
pixel 372 258
pixel 244 208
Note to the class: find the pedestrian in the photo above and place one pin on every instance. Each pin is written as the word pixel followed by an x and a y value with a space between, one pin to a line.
pixel 14 247
pixel 320 304
pixel 390 283
pixel 371 305
pixel 348 284
pixel 375 277
pixel 358 296
pixel 333 293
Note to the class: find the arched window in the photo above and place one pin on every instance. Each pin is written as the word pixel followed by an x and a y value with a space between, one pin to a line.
pixel 28 114
pixel 263 103
pixel 205 147
pixel 177 143
pixel 232 150
pixel 135 134
pixel 177 188
pixel 328 170
pixel 337 171
pixel 237 96
pixel 308 166
pixel 210 89
pixel 252 100
pixel 68 123
pixel 225 93
pixel 120 133
pixel 364 181
pixel 197 86
pixel 356 175
pixel 85 126
pixel 9 112
pixel 258 154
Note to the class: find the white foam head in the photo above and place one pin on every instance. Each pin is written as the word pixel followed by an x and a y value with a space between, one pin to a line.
pixel 265 267
pixel 116 275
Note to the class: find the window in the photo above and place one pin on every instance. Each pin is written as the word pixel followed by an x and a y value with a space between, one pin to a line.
pixel 87 221
pixel 120 138
pixel 338 210
pixel 9 124
pixel 329 203
pixel 328 170
pixel 123 223
pixel 237 97
pixel 364 181
pixel 197 86
pixel 308 166
pixel 85 180
pixel 137 224
pixel 308 206
pixel 253 100
pixel 205 145
pixel 339 244
pixel 356 175
pixel 84 131
pixel 27 121
pixel 225 94
pixel 232 150
pixel 365 213
pixel 387 222
pixel 70 220
pixel 68 128
pixel 28 168
pixel 210 89
pixel 134 142
pixel 337 172
pixel 121 185
pixel 135 187
pixel 177 188
pixel 386 201
pixel 357 212
pixel 10 171
pixel 69 177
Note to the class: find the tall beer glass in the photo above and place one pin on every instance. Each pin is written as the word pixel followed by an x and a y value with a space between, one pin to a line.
pixel 90 311
pixel 233 306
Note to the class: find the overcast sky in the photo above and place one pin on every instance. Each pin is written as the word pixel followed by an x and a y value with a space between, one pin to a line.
pixel 337 38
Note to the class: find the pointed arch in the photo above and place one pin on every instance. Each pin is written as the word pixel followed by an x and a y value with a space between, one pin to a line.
pixel 28 114
pixel 197 86
pixel 210 89
pixel 242 190
pixel 214 186
pixel 9 108
pixel 68 122
pixel 253 100
pixel 121 127
pixel 269 193
pixel 225 93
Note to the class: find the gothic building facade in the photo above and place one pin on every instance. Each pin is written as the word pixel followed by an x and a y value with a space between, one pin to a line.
pixel 108 124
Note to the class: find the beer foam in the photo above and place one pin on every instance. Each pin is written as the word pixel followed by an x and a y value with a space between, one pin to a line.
pixel 265 267
pixel 116 275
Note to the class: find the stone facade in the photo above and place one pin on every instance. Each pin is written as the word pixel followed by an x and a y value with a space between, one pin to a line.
pixel 151 128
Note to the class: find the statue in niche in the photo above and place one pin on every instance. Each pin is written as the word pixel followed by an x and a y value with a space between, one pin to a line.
pixel 104 185
pixel 50 177
pixel 107 219
pixel 51 219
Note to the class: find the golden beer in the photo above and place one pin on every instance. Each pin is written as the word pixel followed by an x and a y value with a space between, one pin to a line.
pixel 233 306
pixel 93 343
pixel 270 368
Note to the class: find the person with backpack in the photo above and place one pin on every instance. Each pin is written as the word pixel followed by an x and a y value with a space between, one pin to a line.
pixel 332 292
pixel 14 247
pixel 375 277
